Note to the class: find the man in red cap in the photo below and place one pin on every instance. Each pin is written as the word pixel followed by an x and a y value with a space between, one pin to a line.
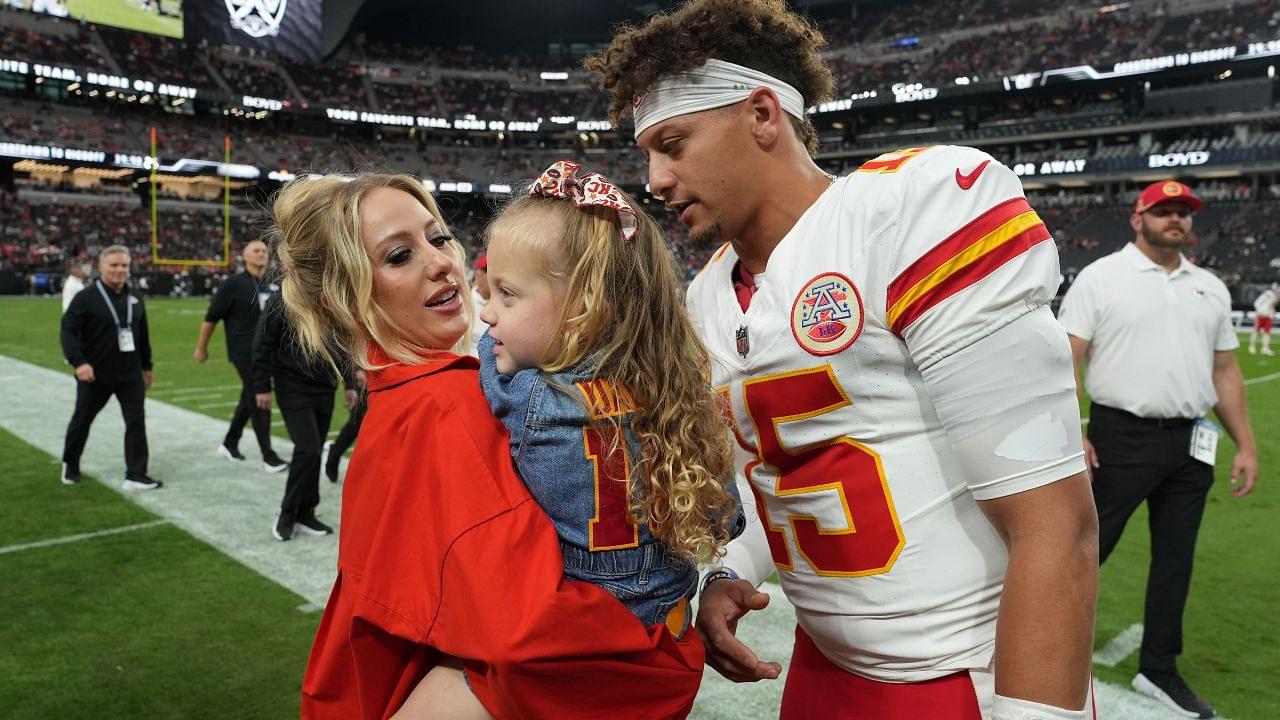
pixel 1157 331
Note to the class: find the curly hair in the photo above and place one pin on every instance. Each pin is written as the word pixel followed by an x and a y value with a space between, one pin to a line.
pixel 763 35
pixel 622 308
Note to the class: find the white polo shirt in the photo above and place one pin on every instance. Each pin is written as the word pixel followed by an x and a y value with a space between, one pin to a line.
pixel 1152 333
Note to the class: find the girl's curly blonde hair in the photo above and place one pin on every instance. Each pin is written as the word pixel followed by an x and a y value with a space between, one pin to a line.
pixel 623 310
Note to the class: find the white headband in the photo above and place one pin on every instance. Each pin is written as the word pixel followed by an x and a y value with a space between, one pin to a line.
pixel 716 84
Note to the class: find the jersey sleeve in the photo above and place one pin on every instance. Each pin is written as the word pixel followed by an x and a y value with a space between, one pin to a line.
pixel 969 256
pixel 974 272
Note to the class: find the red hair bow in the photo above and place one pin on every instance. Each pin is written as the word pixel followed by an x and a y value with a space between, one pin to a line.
pixel 564 179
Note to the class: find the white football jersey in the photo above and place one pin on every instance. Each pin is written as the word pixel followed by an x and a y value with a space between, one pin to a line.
pixel 875 534
pixel 1265 305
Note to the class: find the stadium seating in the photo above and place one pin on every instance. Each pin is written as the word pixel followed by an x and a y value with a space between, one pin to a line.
pixel 1114 130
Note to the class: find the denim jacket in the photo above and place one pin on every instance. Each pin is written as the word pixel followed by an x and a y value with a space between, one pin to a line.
pixel 565 461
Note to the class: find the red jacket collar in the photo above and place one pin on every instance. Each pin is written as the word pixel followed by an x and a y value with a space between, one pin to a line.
pixel 396 373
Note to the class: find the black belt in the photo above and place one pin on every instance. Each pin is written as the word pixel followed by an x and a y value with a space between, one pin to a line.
pixel 1166 423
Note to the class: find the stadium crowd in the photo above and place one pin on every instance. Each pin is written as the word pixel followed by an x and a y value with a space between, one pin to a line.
pixel 394 77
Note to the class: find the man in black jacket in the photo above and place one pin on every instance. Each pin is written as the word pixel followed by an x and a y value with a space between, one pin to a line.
pixel 238 303
pixel 304 388
pixel 105 338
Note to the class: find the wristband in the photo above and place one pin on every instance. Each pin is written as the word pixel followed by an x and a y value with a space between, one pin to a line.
pixel 717 574
pixel 1007 708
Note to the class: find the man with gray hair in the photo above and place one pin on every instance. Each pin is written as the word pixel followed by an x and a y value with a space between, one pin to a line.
pixel 105 338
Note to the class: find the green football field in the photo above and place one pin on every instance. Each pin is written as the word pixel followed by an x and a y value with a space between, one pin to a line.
pixel 129 14
pixel 152 621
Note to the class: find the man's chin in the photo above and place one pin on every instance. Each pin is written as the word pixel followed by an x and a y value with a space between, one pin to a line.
pixel 709 235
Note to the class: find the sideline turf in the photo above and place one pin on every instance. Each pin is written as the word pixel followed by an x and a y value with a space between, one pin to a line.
pixel 1232 646
pixel 29 329
pixel 146 624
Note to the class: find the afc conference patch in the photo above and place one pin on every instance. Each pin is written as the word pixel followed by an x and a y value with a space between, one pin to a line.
pixel 826 316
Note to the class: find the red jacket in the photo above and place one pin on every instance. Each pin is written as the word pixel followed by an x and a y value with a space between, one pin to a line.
pixel 444 552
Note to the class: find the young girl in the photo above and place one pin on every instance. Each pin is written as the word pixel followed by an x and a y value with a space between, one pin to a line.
pixel 444 559
pixel 594 367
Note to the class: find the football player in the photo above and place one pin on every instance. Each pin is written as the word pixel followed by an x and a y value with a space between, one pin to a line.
pixel 901 394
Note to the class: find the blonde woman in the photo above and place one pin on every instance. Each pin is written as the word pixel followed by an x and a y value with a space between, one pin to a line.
pixel 443 552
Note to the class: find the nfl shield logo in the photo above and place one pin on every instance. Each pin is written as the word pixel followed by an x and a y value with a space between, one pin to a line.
pixel 256 18
pixel 744 342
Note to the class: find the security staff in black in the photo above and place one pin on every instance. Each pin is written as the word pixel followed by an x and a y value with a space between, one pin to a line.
pixel 238 303
pixel 305 389
pixel 104 337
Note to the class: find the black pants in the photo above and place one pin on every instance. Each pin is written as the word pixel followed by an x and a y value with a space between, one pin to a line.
pixel 1142 460
pixel 306 416
pixel 90 399
pixel 347 435
pixel 247 410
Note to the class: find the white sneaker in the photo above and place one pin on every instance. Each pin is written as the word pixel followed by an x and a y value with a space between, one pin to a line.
pixel 228 453
pixel 1174 693
pixel 1267 351
pixel 145 483
pixel 274 464
pixel 1253 350
pixel 69 478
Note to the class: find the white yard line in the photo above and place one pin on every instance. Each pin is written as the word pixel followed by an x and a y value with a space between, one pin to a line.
pixel 1262 379
pixel 231 506
pixel 82 536
pixel 198 390
pixel 1120 647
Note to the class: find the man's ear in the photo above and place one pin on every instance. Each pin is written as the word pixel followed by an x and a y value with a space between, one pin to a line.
pixel 1135 222
pixel 767 116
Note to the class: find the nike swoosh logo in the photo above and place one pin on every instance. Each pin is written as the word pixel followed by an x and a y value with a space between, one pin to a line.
pixel 966 181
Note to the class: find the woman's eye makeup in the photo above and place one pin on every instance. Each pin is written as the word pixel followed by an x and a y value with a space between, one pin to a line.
pixel 399 256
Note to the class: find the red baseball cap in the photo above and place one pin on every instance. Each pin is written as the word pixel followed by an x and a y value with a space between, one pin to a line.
pixel 482 262
pixel 1166 191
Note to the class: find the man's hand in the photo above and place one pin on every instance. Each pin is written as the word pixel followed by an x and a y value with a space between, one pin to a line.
pixel 147 377
pixel 84 373
pixel 1090 455
pixel 1245 466
pixel 722 603
pixel 201 354
pixel 263 400
pixel 349 398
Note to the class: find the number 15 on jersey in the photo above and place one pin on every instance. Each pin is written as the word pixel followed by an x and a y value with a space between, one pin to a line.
pixel 841 471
